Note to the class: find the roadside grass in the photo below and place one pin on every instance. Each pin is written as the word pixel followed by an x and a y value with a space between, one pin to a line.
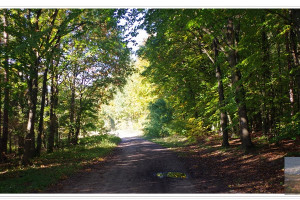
pixel 50 168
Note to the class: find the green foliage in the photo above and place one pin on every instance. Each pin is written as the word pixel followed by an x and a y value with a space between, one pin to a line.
pixel 129 107
pixel 159 117
pixel 184 76
pixel 196 129
pixel 84 56
pixel 182 65
pixel 289 130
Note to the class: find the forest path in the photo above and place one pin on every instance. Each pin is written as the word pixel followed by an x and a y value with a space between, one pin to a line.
pixel 131 169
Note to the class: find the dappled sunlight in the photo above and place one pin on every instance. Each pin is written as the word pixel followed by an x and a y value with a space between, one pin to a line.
pixel 231 170
pixel 209 102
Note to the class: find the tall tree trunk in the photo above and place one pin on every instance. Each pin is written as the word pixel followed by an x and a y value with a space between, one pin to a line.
pixel 291 81
pixel 52 116
pixel 295 42
pixel 41 123
pixel 0 117
pixel 72 108
pixel 223 115
pixel 53 133
pixel 47 113
pixel 280 88
pixel 238 87
pixel 44 90
pixel 29 148
pixel 56 134
pixel 53 127
pixel 265 76
pixel 6 90
pixel 52 123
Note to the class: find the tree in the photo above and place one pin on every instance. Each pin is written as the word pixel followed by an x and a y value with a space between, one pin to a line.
pixel 3 143
pixel 233 40
pixel 35 59
pixel 243 46
pixel 129 107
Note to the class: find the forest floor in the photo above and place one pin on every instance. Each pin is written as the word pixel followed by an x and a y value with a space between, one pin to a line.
pixel 222 170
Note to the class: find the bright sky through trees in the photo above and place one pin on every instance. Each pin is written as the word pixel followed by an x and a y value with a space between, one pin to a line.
pixel 140 40
pixel 135 41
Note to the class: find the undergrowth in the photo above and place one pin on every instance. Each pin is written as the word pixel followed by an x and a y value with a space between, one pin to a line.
pixel 50 168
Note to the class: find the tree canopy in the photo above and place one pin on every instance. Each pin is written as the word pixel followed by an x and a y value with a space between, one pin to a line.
pixel 219 65
pixel 57 67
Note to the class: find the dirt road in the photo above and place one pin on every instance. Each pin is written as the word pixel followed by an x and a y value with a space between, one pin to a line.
pixel 132 169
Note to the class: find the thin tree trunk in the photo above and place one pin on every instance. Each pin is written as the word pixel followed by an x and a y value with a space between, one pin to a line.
pixel 72 108
pixel 47 113
pixel 56 134
pixel 78 121
pixel 78 125
pixel 238 87
pixel 52 124
pixel 223 115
